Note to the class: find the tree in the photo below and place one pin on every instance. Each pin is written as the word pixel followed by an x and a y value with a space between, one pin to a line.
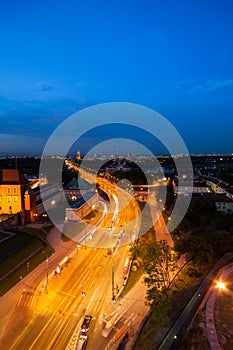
pixel 197 249
pixel 201 211
pixel 158 264
pixel 221 241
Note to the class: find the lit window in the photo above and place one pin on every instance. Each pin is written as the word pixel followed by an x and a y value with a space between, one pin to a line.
pixel 15 199
pixel 9 199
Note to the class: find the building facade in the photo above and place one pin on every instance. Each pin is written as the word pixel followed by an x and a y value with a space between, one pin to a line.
pixel 13 186
pixel 82 207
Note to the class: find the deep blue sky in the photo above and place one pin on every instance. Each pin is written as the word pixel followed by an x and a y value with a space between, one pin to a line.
pixel 58 57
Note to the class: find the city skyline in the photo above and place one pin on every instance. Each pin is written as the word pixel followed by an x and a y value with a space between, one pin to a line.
pixel 175 58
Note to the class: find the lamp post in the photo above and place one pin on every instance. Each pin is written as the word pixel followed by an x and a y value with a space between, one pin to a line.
pixel 47 270
pixel 221 287
pixel 47 274
pixel 113 289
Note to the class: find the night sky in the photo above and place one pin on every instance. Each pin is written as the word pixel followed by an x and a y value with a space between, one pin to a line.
pixel 58 57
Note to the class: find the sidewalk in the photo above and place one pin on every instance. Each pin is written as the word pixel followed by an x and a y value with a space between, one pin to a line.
pixel 9 300
pixel 37 278
pixel 134 311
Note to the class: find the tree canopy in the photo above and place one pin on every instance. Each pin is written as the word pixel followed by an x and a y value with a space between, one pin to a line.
pixel 158 263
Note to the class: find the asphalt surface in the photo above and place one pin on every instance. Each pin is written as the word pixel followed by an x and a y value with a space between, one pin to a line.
pixel 35 319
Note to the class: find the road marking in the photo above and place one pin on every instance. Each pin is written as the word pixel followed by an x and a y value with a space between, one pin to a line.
pixel 41 332
pixel 66 293
pixel 25 329
pixel 21 296
pixel 26 299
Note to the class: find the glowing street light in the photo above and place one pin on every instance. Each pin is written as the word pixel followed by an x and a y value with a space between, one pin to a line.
pixel 221 287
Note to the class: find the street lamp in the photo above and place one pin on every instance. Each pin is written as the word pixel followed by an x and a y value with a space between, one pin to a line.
pixel 113 283
pixel 172 224
pixel 221 287
pixel 47 270
pixel 47 273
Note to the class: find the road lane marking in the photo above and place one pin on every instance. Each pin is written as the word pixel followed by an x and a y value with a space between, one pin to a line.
pixel 25 329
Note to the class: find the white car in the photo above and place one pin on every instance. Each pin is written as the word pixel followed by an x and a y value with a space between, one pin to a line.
pixel 82 342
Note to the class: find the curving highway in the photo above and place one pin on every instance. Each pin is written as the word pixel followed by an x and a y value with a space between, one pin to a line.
pixel 50 320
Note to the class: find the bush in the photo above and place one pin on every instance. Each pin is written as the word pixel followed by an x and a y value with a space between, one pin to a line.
pixel 193 273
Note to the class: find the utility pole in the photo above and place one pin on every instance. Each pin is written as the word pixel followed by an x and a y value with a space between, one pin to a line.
pixel 47 270
pixel 47 274
pixel 113 295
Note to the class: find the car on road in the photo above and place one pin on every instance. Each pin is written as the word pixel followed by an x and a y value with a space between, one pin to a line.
pixel 86 324
pixel 82 342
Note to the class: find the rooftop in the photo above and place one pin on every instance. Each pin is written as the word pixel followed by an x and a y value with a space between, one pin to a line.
pixel 12 177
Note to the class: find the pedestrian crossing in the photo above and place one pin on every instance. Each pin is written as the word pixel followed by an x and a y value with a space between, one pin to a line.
pixel 27 299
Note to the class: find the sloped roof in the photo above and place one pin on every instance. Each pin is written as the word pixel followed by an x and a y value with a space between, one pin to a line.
pixel 12 177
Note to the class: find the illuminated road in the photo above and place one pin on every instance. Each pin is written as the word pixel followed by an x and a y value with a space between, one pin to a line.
pixel 123 214
pixel 48 321
pixel 86 286
pixel 126 223
pixel 58 312
pixel 160 227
